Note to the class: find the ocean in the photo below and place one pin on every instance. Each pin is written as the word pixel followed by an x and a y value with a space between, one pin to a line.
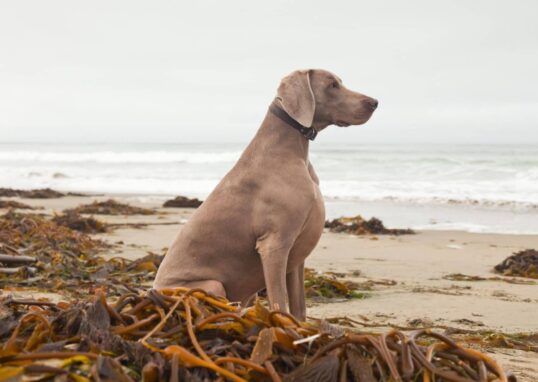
pixel 474 188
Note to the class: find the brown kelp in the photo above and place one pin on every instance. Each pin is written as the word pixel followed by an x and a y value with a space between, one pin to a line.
pixel 327 287
pixel 322 286
pixel 356 225
pixel 190 335
pixel 523 264
pixel 80 223
pixel 39 253
pixel 42 193
pixel 485 339
pixel 110 207
pixel 463 277
pixel 183 202
pixel 15 204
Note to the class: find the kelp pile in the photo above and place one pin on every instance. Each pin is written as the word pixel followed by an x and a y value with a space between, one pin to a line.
pixel 42 193
pixel 40 253
pixel 77 222
pixel 322 286
pixel 358 226
pixel 15 204
pixel 523 263
pixel 183 202
pixel 189 335
pixel 110 207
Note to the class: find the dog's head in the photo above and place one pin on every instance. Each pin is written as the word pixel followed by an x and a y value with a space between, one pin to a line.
pixel 317 98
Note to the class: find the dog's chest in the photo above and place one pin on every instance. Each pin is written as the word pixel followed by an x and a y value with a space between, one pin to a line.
pixel 311 233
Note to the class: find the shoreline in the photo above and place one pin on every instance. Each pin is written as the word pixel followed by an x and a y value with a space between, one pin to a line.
pixel 457 217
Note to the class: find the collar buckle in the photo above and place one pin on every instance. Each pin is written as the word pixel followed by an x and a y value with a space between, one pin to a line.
pixel 310 133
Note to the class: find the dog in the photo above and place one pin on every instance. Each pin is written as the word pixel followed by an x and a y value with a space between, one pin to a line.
pixel 265 217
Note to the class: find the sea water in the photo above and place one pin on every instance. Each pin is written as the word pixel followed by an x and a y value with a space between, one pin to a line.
pixel 490 188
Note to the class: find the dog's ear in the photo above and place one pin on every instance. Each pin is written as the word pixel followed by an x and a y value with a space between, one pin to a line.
pixel 297 98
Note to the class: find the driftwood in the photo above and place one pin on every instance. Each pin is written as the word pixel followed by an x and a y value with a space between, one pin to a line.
pixel 13 259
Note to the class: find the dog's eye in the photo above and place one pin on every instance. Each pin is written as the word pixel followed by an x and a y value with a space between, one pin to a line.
pixel 335 84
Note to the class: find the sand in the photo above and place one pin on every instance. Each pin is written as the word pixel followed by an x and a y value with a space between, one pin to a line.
pixel 408 272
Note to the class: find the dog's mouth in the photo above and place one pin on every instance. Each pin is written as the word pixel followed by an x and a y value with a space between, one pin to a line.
pixel 342 123
pixel 360 118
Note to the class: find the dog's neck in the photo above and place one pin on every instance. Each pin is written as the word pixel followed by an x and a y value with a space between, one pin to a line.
pixel 275 137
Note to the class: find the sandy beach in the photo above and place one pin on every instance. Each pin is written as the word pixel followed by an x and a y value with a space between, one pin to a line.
pixel 410 279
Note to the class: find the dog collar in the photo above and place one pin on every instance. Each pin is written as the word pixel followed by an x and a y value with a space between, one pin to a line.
pixel 309 132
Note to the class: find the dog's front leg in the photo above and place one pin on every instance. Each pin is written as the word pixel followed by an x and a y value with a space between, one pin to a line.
pixel 274 262
pixel 295 284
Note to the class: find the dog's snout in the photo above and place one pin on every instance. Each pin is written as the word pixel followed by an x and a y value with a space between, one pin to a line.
pixel 371 103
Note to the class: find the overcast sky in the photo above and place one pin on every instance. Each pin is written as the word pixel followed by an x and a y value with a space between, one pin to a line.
pixel 170 71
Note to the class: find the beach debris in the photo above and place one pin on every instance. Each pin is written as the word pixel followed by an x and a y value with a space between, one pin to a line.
pixel 183 335
pixel 490 339
pixel 523 264
pixel 42 193
pixel 80 223
pixel 420 323
pixel 356 225
pixel 183 202
pixel 15 204
pixel 58 251
pixel 328 286
pixel 463 277
pixel 466 321
pixel 322 286
pixel 110 207
pixel 450 291
pixel 485 339
pixel 47 256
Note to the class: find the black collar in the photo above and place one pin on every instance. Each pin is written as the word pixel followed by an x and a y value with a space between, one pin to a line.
pixel 308 132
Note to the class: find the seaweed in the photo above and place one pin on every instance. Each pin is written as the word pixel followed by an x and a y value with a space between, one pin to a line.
pixel 188 334
pixel 15 204
pixel 57 251
pixel 42 254
pixel 486 339
pixel 358 226
pixel 80 223
pixel 320 286
pixel 41 193
pixel 463 277
pixel 110 207
pixel 183 202
pixel 523 264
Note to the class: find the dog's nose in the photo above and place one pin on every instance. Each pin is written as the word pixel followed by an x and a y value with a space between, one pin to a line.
pixel 372 103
